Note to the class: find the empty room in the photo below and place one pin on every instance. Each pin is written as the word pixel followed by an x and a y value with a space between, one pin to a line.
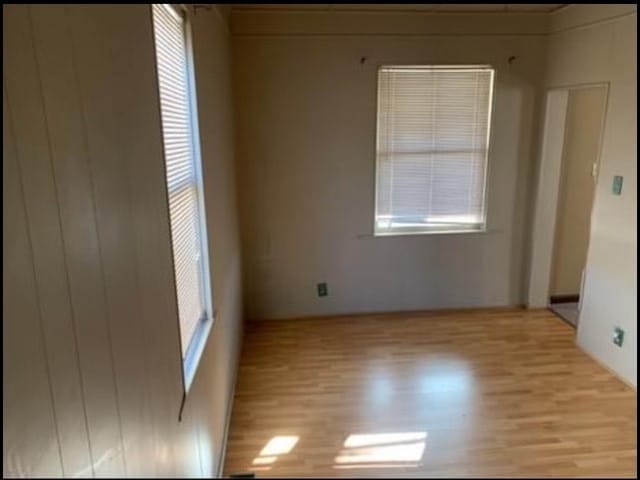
pixel 320 240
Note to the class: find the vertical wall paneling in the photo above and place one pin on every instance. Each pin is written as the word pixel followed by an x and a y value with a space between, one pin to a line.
pixel 40 196
pixel 73 176
pixel 34 447
pixel 95 74
pixel 139 121
pixel 92 362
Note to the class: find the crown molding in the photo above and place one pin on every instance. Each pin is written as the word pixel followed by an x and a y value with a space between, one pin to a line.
pixel 285 23
pixel 323 21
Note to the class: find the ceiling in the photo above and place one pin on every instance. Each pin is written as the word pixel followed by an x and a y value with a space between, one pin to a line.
pixel 408 7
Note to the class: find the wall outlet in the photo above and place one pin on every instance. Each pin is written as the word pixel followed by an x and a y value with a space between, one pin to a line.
pixel 617 185
pixel 618 336
pixel 322 289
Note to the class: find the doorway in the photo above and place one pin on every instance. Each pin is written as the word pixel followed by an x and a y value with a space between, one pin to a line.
pixel 573 128
pixel 583 129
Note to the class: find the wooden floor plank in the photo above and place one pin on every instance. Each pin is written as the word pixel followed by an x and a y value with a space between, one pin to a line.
pixel 464 393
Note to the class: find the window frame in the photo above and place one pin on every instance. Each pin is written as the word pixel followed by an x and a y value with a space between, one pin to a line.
pixel 423 230
pixel 195 347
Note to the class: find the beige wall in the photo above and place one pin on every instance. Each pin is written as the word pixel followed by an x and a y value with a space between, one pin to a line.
pixel 91 378
pixel 306 139
pixel 585 116
pixel 605 51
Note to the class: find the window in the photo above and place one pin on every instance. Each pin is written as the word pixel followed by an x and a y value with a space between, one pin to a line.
pixel 432 148
pixel 184 185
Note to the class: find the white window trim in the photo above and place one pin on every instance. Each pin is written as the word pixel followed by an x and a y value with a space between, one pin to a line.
pixel 483 227
pixel 201 334
pixel 197 342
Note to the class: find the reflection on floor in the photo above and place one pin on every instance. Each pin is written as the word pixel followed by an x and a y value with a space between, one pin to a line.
pixel 467 393
pixel 568 311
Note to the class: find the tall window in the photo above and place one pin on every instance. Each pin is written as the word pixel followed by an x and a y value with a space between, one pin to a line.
pixel 432 147
pixel 182 166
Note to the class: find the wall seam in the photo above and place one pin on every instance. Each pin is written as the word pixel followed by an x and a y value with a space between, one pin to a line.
pixel 221 18
pixel 35 281
pixel 63 244
pixel 90 172
pixel 139 310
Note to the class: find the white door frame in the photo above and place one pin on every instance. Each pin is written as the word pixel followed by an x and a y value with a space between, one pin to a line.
pixel 544 223
pixel 546 202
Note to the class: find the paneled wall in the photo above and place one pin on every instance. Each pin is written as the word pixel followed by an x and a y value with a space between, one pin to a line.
pixel 92 382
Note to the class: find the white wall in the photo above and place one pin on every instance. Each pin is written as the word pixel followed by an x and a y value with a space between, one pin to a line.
pixel 547 180
pixel 306 149
pixel 91 378
pixel 604 50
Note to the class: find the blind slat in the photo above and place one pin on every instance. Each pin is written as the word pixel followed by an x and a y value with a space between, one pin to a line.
pixel 432 147
pixel 180 169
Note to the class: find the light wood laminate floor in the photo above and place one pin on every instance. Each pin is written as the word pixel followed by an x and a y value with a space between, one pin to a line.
pixel 466 393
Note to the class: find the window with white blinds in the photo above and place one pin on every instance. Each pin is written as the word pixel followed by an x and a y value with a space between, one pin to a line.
pixel 432 148
pixel 182 172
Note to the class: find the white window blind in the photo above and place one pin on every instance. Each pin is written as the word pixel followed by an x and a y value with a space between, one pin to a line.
pixel 432 147
pixel 181 169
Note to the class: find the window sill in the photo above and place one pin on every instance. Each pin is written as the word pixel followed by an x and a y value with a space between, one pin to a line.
pixel 195 351
pixel 419 233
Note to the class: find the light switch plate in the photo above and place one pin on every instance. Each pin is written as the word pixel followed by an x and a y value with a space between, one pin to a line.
pixel 617 185
pixel 618 336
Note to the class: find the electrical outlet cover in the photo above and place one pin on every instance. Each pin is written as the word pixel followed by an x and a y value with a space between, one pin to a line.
pixel 617 185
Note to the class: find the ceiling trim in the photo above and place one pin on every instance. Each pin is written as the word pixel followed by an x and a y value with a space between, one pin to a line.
pixel 285 23
pixel 585 15
pixel 344 21
pixel 439 9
